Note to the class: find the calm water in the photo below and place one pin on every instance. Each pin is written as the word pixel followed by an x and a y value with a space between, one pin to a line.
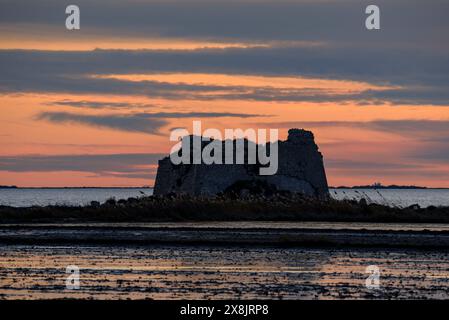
pixel 396 197
pixel 187 272
pixel 41 197
pixel 67 196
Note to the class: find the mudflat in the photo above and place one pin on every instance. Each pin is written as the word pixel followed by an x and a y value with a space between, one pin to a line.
pixel 220 272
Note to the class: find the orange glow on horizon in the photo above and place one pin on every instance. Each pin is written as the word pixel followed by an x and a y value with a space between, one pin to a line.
pixel 22 133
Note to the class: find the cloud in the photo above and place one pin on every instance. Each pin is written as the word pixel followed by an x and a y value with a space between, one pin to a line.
pixel 104 164
pixel 369 166
pixel 427 142
pixel 413 77
pixel 130 123
pixel 437 153
pixel 408 56
pixel 335 62
pixel 99 104
pixel 251 20
pixel 423 129
pixel 149 123
pixel 404 53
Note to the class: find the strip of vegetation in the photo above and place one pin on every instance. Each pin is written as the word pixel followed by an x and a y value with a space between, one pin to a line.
pixel 277 207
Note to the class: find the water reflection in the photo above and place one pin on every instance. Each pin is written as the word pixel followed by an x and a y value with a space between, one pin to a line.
pixel 183 272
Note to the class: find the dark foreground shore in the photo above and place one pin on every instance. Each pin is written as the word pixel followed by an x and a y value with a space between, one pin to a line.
pixel 231 234
pixel 289 207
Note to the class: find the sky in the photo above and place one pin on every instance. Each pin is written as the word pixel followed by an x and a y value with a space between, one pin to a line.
pixel 95 106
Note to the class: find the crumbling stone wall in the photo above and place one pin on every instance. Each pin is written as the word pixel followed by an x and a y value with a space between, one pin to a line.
pixel 300 170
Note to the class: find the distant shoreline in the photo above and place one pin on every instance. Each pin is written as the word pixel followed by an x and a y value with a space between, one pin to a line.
pixel 15 187
pixel 393 187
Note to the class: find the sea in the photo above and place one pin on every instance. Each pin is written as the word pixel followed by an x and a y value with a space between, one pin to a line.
pixel 188 271
pixel 26 197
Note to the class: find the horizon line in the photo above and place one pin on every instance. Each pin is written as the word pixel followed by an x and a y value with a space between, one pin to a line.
pixel 152 187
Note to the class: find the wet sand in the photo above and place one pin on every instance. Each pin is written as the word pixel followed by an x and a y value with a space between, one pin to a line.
pixel 227 260
pixel 211 272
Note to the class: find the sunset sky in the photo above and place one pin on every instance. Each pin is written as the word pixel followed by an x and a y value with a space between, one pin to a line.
pixel 95 106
